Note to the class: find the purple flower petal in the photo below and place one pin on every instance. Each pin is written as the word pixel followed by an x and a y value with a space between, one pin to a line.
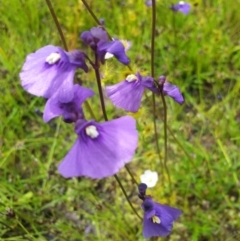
pixel 71 111
pixel 164 217
pixel 115 48
pixel 182 7
pixel 126 95
pixel 93 36
pixel 101 148
pixel 99 33
pixel 173 91
pixel 148 3
pixel 50 70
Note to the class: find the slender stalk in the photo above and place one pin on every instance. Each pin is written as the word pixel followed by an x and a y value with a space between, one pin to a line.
pixel 153 75
pixel 162 96
pixel 97 75
pixel 130 173
pixel 94 16
pixel 91 12
pixel 125 194
pixel 175 39
pixel 98 78
pixel 57 24
pixel 153 36
pixel 88 107
pixel 156 134
pixel 165 138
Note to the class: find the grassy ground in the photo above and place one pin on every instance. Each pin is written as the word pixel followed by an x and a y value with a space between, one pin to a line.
pixel 199 52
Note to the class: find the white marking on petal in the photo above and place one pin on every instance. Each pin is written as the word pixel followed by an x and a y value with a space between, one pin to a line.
pixel 131 78
pixel 92 131
pixel 181 3
pixel 108 55
pixel 53 58
pixel 156 219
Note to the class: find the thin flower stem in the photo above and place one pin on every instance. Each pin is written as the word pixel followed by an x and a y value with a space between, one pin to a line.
pixel 91 12
pixel 88 107
pixel 125 194
pixel 165 138
pixel 156 134
pixel 130 173
pixel 97 74
pixel 94 16
pixel 57 24
pixel 98 78
pixel 153 36
pixel 153 75
pixel 162 96
pixel 175 40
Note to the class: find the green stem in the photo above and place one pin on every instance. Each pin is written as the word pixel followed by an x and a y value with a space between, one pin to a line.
pixel 91 12
pixel 165 138
pixel 175 41
pixel 162 96
pixel 97 75
pixel 57 24
pixel 153 75
pixel 125 194
pixel 130 173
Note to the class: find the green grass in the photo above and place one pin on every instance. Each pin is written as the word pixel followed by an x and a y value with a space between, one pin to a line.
pixel 199 52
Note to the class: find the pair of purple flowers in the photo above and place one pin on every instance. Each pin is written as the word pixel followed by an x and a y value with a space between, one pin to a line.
pixel 181 6
pixel 158 218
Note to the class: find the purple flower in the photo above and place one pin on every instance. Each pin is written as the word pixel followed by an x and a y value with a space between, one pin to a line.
pixel 116 48
pixel 50 70
pixel 148 3
pixel 182 7
pixel 128 93
pixel 71 111
pixel 126 44
pixel 158 219
pixel 171 90
pixel 101 149
pixel 97 39
pixel 93 36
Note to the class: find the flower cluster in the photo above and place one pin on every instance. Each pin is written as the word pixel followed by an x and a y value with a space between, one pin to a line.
pixel 158 218
pixel 101 149
pixel 181 6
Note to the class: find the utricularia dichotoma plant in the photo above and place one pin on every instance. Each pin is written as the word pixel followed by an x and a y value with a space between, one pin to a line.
pixel 101 149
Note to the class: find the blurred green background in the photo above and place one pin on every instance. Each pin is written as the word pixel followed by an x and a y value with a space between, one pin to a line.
pixel 199 52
